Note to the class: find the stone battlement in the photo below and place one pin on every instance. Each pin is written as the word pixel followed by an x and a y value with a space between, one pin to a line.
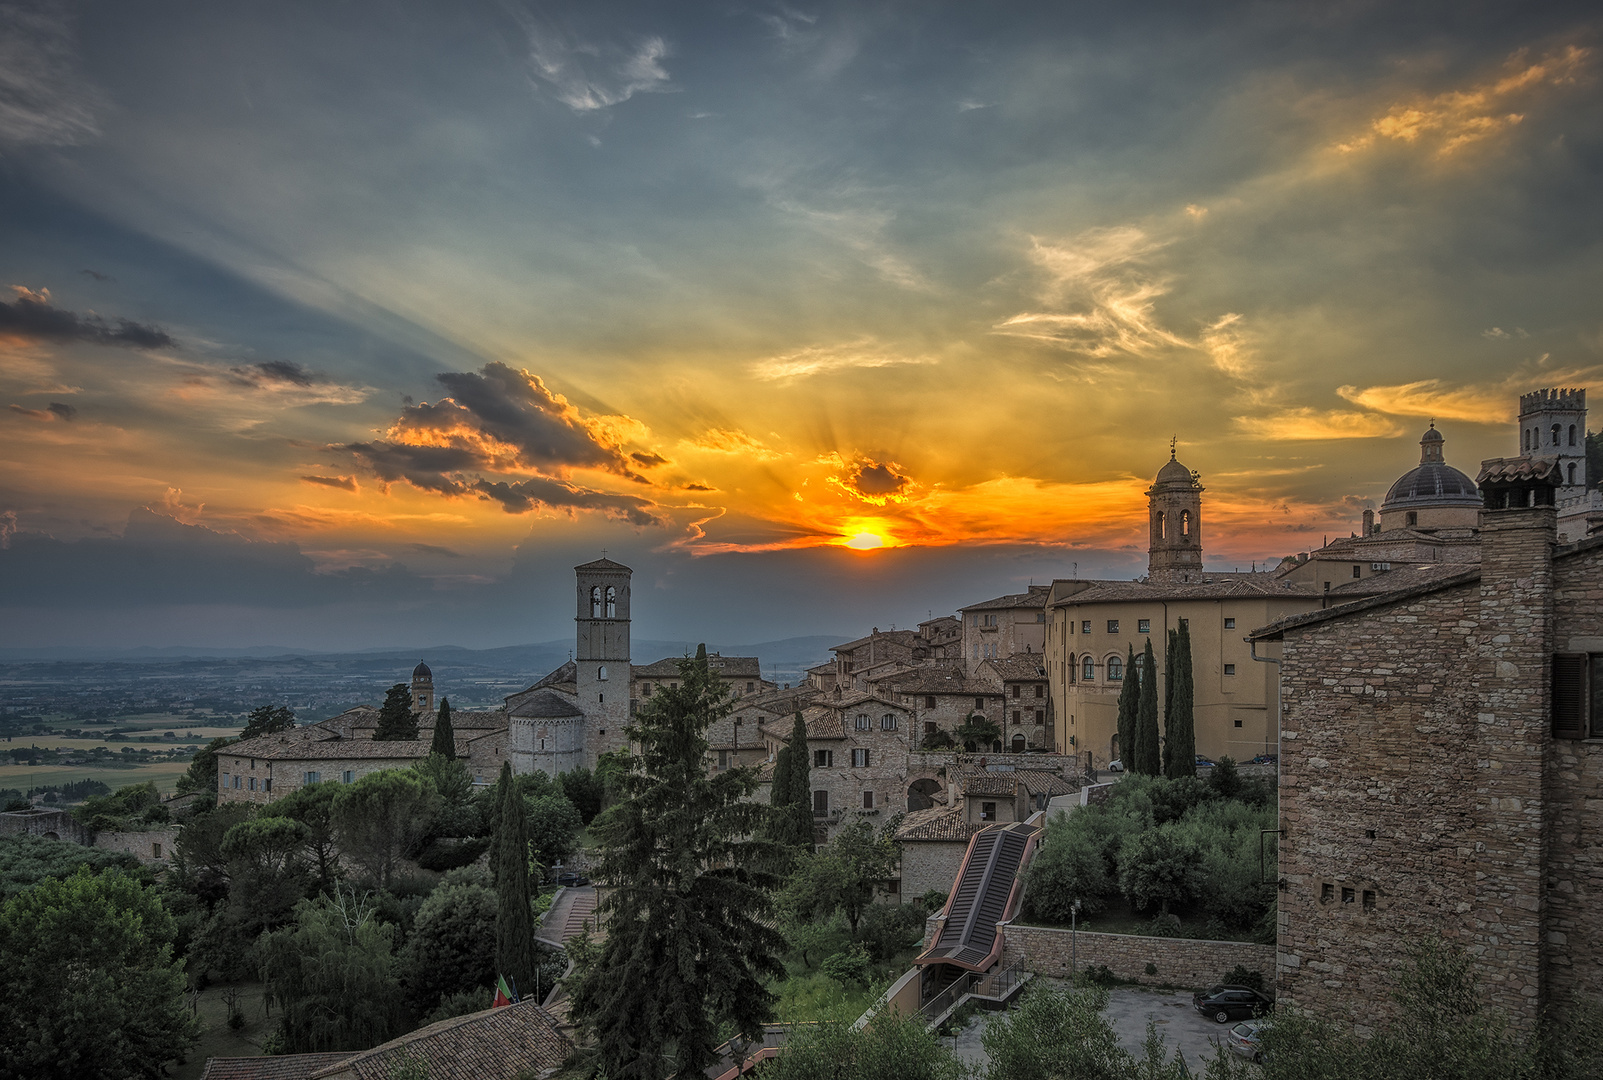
pixel 1552 400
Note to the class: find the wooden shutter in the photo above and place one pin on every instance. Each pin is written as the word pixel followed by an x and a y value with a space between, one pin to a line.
pixel 1569 696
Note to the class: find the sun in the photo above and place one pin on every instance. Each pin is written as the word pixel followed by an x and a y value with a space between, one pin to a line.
pixel 866 541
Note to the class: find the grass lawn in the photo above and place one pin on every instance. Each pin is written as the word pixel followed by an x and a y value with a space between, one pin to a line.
pixel 217 1039
pixel 23 777
pixel 1120 918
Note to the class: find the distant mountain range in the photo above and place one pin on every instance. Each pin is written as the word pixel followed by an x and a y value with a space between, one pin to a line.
pixel 783 661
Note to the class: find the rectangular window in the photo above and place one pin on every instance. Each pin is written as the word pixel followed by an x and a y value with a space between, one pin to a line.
pixel 979 703
pixel 1143 626
pixel 1230 624
pixel 751 688
pixel 887 722
pixel 311 777
pixel 1578 696
pixel 1040 716
pixel 862 722
pixel 723 760
pixel 929 701
pixel 859 758
pixel 155 851
pixel 1230 669
pixel 1085 626
pixel 1238 723
pixel 930 727
pixel 1369 899
pixel 1113 626
pixel 987 811
pixel 1040 690
pixel 1358 572
pixel 1018 718
pixel 1327 893
pixel 868 800
pixel 269 786
pixel 237 780
pixel 820 804
pixel 1348 895
pixel 823 759
pixel 348 776
pixel 253 783
pixel 1016 690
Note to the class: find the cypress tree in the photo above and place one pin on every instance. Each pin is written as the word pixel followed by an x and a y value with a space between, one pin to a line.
pixel 514 919
pixel 1168 693
pixel 396 720
pixel 800 803
pixel 1129 697
pixel 1181 722
pixel 688 906
pixel 444 734
pixel 1146 723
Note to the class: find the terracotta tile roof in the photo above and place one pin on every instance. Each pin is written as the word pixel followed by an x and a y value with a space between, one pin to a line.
pixel 346 749
pixel 567 673
pixel 1212 587
pixel 821 723
pixel 727 667
pixel 1020 668
pixel 945 682
pixel 1041 782
pixel 986 782
pixel 858 698
pixel 898 637
pixel 936 823
pixel 1035 598
pixel 497 1044
pixel 1508 470
pixel 478 719
pixel 284 1067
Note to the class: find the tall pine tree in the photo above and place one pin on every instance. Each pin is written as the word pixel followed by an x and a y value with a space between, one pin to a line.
pixel 444 734
pixel 689 949
pixel 1146 718
pixel 515 955
pixel 1129 703
pixel 396 720
pixel 1180 724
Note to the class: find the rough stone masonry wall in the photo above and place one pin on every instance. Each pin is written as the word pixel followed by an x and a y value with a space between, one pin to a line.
pixel 1572 941
pixel 151 846
pixel 1178 961
pixel 1376 756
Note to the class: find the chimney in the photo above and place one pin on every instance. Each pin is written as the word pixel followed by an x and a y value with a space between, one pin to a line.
pixel 1369 522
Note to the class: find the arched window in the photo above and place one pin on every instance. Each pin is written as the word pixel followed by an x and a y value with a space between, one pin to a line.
pixel 1163 526
pixel 1572 474
pixel 1185 523
pixel 601 673
pixel 1115 669
pixel 595 601
pixel 612 602
pixel 1525 442
pixel 1088 673
pixel 1556 429
pixel 1572 434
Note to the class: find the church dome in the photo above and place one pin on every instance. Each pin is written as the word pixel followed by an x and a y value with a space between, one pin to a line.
pixel 1173 473
pixel 422 671
pixel 1433 483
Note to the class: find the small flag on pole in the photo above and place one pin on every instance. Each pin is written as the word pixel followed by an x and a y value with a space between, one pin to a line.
pixel 503 994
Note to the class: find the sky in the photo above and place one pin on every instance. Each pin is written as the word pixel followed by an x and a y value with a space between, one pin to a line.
pixel 359 324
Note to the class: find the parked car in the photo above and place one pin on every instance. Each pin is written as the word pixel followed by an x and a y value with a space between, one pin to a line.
pixel 1227 1003
pixel 569 878
pixel 1115 765
pixel 1266 759
pixel 1246 1039
pixel 1204 763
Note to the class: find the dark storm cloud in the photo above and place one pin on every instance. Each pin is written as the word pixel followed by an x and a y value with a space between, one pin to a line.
pixel 158 560
pixel 32 317
pixel 879 480
pixel 424 467
pixel 344 483
pixel 63 410
pixel 648 461
pixel 278 371
pixel 526 495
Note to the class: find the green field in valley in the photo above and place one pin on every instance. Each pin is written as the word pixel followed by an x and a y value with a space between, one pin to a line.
pixel 23 777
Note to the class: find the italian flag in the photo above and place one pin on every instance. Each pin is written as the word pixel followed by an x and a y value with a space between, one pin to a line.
pixel 503 995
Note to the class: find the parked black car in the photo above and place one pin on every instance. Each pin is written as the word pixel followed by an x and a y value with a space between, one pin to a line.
pixel 1227 1003
pixel 570 879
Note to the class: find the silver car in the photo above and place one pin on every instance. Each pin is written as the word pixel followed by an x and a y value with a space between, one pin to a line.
pixel 1245 1039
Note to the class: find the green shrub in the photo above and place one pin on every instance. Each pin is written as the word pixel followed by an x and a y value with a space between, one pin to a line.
pixel 848 968
pixel 1240 976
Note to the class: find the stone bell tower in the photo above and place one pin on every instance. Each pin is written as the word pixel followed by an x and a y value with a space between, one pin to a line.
pixel 601 654
pixel 1174 513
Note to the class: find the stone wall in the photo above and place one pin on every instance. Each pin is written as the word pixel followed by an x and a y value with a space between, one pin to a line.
pixel 1179 961
pixel 55 824
pixel 153 846
pixel 930 864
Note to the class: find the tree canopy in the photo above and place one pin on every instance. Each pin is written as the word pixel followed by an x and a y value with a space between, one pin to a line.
pixel 92 989
pixel 201 776
pixel 267 720
pixel 396 720
pixel 791 791
pixel 689 949
pixel 846 874
pixel 381 816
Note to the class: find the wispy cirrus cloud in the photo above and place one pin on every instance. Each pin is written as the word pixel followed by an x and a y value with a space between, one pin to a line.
pixel 825 359
pixel 1494 402
pixel 1448 122
pixel 588 75
pixel 1308 425
pixel 732 441
pixel 44 97
pixel 56 410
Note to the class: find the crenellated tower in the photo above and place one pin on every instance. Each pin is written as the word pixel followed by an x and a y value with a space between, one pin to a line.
pixel 1553 424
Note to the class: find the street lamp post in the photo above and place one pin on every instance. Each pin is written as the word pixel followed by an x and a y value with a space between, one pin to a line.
pixel 1074 940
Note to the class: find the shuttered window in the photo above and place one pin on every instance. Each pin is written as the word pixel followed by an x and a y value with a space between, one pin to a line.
pixel 1569 696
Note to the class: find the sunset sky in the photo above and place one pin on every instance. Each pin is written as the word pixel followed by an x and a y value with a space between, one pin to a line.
pixel 359 324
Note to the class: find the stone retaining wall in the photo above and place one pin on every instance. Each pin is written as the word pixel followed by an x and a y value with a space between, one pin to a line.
pixel 1179 961
pixel 154 846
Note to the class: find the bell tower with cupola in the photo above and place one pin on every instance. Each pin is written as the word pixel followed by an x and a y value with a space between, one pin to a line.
pixel 1174 515
pixel 601 654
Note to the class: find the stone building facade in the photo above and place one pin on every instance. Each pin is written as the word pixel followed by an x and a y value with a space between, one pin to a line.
pixel 1441 758
pixel 1004 626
